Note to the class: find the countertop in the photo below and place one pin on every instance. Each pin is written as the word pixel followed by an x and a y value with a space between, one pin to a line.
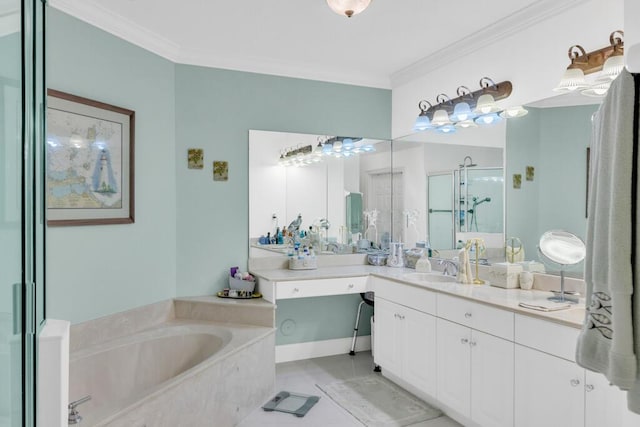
pixel 506 299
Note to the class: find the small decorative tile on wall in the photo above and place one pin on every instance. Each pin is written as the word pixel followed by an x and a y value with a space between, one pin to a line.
pixel 517 180
pixel 220 170
pixel 195 158
pixel 530 173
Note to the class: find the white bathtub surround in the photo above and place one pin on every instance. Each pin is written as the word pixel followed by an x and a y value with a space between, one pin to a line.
pixel 188 367
pixel 53 373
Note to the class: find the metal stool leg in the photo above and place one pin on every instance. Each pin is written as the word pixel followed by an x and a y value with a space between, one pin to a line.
pixel 355 330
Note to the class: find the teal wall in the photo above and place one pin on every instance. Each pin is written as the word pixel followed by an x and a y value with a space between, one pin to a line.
pixel 93 271
pixel 554 141
pixel 215 109
pixel 189 229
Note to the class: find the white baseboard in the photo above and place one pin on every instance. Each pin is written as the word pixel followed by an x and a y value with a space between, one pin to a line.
pixel 309 350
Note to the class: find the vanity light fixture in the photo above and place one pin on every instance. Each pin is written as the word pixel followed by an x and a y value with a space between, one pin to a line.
pixel 348 8
pixel 608 60
pixel 467 110
pixel 336 146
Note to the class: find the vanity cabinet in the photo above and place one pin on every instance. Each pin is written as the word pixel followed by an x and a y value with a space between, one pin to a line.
pixel 475 374
pixel 551 388
pixel 405 344
pixel 405 333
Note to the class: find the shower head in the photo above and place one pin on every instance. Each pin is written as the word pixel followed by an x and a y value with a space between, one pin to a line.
pixel 476 202
pixel 467 165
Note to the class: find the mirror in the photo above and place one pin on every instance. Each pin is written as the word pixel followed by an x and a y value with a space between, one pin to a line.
pixel 562 248
pixel 451 189
pixel 547 148
pixel 327 199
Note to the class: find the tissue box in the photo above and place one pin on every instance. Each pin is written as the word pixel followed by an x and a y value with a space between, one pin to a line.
pixel 505 275
pixel 303 263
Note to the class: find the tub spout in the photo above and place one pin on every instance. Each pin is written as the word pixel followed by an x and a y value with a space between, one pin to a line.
pixel 74 415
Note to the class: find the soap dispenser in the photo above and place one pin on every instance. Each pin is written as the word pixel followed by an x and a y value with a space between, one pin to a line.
pixel 423 265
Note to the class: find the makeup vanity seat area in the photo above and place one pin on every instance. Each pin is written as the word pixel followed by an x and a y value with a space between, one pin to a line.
pixel 488 366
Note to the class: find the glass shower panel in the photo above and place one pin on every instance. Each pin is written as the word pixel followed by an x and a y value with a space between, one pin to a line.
pixel 10 215
pixel 440 204
pixel 485 200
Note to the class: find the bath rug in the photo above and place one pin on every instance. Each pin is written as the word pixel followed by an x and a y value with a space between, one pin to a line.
pixel 377 402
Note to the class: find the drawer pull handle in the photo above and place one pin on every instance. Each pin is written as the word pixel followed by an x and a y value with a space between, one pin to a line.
pixel 467 315
pixel 350 285
pixel 472 343
pixel 401 317
pixel 589 387
pixel 574 383
pixel 464 341
pixel 296 290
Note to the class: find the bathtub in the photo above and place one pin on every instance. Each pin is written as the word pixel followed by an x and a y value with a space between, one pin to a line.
pixel 178 372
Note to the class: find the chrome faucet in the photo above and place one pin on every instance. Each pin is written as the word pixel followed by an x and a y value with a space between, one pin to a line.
pixel 74 415
pixel 450 267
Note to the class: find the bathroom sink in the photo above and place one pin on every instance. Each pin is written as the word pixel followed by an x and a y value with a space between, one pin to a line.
pixel 430 277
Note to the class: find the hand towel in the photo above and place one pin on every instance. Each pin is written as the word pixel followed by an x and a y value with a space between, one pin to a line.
pixel 606 342
pixel 545 305
pixel 464 267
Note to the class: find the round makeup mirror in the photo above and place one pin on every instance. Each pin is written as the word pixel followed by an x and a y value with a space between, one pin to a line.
pixel 564 248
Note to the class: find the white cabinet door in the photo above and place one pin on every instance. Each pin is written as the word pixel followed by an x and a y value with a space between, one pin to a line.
pixel 419 367
pixel 454 366
pixel 387 340
pixel 549 391
pixel 606 405
pixel 491 380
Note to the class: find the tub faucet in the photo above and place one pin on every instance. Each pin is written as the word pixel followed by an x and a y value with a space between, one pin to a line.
pixel 450 267
pixel 74 415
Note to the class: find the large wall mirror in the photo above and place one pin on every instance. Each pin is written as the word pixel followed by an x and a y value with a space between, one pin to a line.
pixel 529 176
pixel 337 189
pixel 451 189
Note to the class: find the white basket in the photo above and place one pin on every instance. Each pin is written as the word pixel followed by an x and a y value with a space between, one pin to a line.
pixel 303 263
pixel 241 285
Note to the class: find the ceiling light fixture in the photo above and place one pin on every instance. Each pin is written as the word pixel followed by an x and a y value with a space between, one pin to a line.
pixel 608 60
pixel 348 7
pixel 467 110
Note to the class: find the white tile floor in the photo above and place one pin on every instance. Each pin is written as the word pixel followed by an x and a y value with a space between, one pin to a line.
pixel 302 377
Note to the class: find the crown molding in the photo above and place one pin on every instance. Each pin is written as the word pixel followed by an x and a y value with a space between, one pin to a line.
pixel 516 22
pixel 96 15
pixel 263 65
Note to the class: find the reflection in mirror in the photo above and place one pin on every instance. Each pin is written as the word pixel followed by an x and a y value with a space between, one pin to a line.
pixel 549 149
pixel 450 189
pixel 339 201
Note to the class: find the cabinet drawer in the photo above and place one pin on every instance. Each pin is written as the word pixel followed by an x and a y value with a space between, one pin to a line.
pixel 320 287
pixel 546 336
pixel 410 296
pixel 477 316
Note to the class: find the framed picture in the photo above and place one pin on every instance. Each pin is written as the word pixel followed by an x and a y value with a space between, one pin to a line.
pixel 90 161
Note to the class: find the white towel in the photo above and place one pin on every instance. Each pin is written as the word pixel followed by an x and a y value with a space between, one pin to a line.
pixel 464 267
pixel 545 305
pixel 606 342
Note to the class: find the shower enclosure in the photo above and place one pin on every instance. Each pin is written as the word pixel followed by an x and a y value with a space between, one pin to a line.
pixel 469 200
pixel 21 207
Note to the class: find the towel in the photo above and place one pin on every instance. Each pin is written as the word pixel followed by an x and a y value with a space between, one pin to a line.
pixel 606 343
pixel 464 267
pixel 546 305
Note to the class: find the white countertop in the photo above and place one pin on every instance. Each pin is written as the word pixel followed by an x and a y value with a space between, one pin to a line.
pixel 507 299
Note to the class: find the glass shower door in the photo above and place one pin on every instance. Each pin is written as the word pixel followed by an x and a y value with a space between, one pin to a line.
pixel 440 213
pixel 21 229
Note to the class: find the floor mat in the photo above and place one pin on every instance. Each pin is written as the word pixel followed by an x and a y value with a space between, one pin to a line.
pixel 377 402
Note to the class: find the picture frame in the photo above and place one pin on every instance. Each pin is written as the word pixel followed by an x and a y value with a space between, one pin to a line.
pixel 90 162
